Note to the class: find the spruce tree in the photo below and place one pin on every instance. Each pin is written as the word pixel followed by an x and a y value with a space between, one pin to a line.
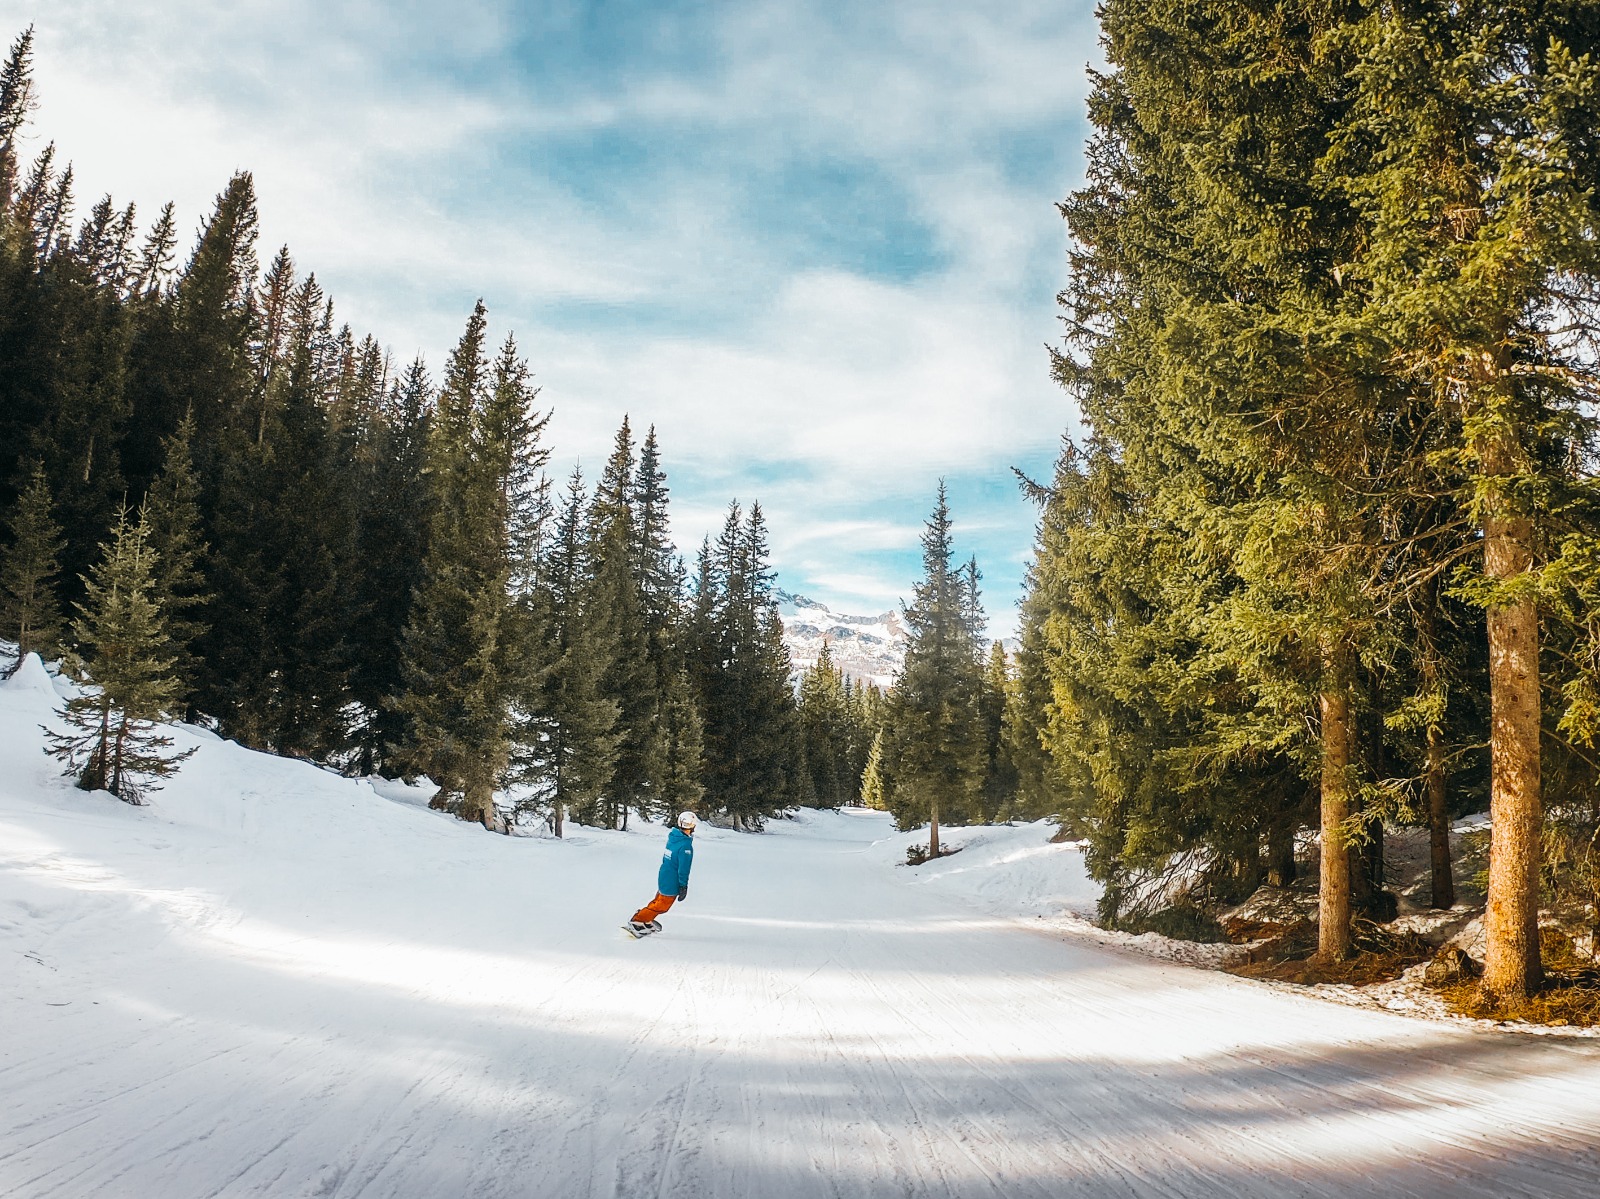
pixel 121 635
pixel 999 789
pixel 568 740
pixel 875 784
pixel 935 737
pixel 202 367
pixel 152 275
pixel 29 611
pixel 825 731
pixel 172 512
pixel 1466 150
pixel 393 546
pixel 617 617
pixel 677 749
pixel 466 642
pixel 16 105
pixel 1241 441
pixel 741 667
pixel 683 736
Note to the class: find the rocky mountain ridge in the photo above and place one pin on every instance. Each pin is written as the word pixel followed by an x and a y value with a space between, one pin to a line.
pixel 867 648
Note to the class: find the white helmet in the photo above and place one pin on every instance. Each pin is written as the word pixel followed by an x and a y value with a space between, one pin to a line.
pixel 687 820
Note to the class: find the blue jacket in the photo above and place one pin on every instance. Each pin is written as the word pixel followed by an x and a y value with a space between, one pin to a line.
pixel 675 862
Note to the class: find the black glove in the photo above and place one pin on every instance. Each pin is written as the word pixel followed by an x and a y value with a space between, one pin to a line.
pixel 683 892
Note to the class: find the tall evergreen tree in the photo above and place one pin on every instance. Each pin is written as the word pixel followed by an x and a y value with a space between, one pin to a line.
pixel 30 613
pixel 1467 151
pixel 177 583
pixel 935 737
pixel 198 363
pixel 568 741
pixel 114 745
pixel 617 612
pixel 17 103
pixel 999 788
pixel 875 784
pixel 394 529
pixel 825 730
pixel 466 643
pixel 741 669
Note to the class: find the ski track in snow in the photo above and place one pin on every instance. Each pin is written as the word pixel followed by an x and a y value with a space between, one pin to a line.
pixel 274 982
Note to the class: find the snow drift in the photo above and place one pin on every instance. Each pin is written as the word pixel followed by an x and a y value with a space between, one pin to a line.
pixel 274 981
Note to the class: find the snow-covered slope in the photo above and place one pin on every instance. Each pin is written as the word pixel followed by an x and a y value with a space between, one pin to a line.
pixel 867 648
pixel 277 982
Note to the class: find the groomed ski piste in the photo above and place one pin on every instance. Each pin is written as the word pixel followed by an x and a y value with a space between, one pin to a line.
pixel 273 981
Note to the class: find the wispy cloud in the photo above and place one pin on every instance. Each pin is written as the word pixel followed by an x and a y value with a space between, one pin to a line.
pixel 815 245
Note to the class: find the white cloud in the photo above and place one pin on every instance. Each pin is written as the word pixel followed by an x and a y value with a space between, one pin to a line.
pixel 396 149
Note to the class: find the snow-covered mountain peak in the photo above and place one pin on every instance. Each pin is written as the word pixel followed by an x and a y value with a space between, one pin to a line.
pixel 867 648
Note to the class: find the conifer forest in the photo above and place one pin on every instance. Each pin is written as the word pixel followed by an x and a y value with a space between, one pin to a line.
pixel 586 757
pixel 1324 555
pixel 352 561
pixel 364 564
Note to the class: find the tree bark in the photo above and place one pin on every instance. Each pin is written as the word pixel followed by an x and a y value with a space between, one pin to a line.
pixel 933 829
pixel 1443 873
pixel 1511 923
pixel 1360 855
pixel 1280 853
pixel 1333 899
pixel 1512 967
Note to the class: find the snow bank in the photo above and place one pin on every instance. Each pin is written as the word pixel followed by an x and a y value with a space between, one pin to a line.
pixel 1018 871
pixel 1004 869
pixel 277 981
pixel 30 678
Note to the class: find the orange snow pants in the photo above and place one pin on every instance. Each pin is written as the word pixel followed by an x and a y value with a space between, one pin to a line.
pixel 656 907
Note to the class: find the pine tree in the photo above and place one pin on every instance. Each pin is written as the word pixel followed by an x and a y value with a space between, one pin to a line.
pixel 741 669
pixel 660 587
pixel 172 512
pixel 681 788
pixel 825 730
pixel 935 744
pixel 16 105
pixel 153 275
pixel 999 788
pixel 29 612
pixel 208 375
pixel 617 617
pixel 875 783
pixel 677 748
pixel 120 632
pixel 393 546
pixel 567 743
pixel 466 642
pixel 1464 149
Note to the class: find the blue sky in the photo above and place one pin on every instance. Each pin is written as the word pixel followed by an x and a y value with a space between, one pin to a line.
pixel 814 244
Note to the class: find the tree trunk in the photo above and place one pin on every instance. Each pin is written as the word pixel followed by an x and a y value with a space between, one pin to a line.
pixel 1512 967
pixel 1333 899
pixel 558 813
pixel 1366 871
pixel 1248 871
pixel 1360 855
pixel 1444 884
pixel 1442 873
pixel 933 829
pixel 1280 852
pixel 477 803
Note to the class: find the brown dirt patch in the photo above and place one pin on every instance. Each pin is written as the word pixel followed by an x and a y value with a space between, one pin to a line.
pixel 1381 955
pixel 1570 996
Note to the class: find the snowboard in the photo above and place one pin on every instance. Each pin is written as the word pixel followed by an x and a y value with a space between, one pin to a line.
pixel 636 933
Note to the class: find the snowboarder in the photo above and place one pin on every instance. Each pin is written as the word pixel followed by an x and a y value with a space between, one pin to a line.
pixel 672 880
